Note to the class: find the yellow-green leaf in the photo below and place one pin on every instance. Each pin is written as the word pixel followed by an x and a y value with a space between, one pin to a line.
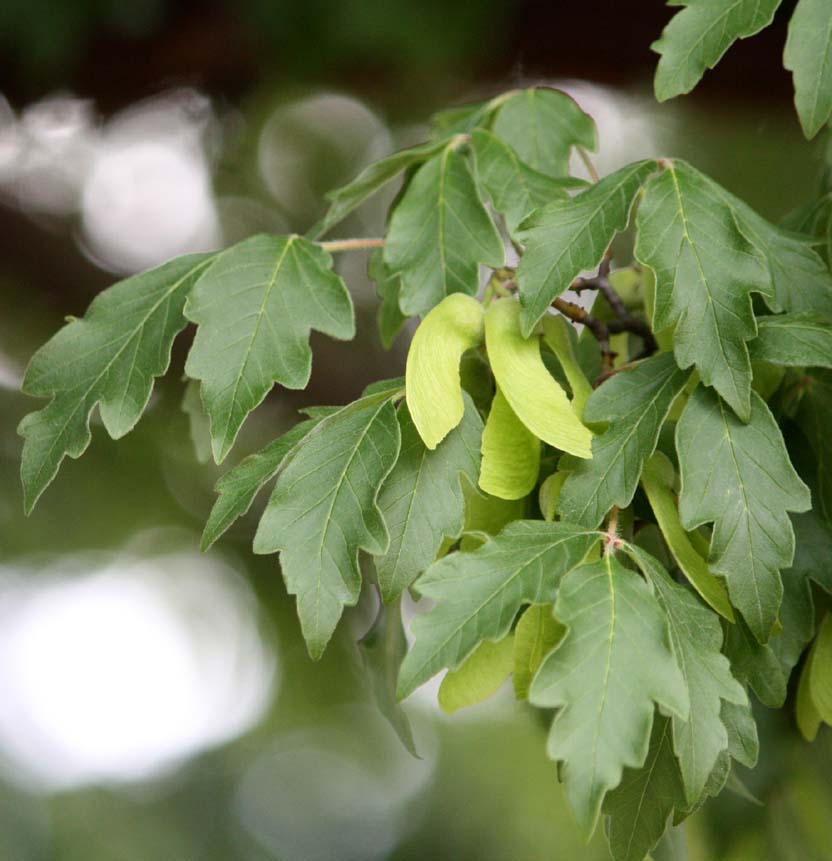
pixel 808 719
pixel 479 677
pixel 820 678
pixel 510 453
pixel 536 634
pixel 560 338
pixel 432 382
pixel 534 395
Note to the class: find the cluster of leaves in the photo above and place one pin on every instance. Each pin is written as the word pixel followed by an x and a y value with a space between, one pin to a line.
pixel 611 518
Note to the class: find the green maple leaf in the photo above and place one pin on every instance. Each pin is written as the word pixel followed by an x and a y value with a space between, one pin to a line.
pixel 698 36
pixel 639 808
pixel 238 487
pixel 439 233
pixel 697 642
pixel 569 236
pixel 422 501
pixel 706 269
pixel 478 594
pixel 613 664
pixel 793 340
pixel 345 199
pixel 109 358
pixel 324 509
pixel 740 477
pixel 255 308
pixel 635 403
pixel 514 188
pixel 808 56
pixel 542 125
pixel 388 287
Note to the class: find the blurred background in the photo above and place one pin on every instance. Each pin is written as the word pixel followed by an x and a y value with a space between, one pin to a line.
pixel 156 703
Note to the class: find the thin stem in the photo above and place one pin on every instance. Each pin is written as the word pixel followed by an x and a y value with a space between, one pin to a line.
pixel 590 167
pixel 612 540
pixel 335 245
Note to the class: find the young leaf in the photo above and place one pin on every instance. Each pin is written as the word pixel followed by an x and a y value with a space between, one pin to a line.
pixel 793 340
pixel 568 236
pixel 479 677
pixel 324 509
pixel 542 125
pixel 697 640
pixel 255 308
pixel 514 188
pixel 345 199
pixel 640 806
pixel 536 634
pixel 109 358
pixel 486 514
pixel 657 481
pixel 808 56
pixel 614 662
pixel 531 391
pixel 698 36
pixel 421 500
pixel 755 664
pixel 382 649
pixel 635 403
pixel 740 477
pixel 806 713
pixel 388 286
pixel 439 233
pixel 510 453
pixel 478 594
pixel 706 270
pixel 238 487
pixel 432 380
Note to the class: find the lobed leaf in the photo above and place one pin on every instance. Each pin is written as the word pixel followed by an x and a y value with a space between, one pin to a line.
pixel 613 664
pixel 421 500
pixel 324 509
pixel 569 236
pixel 439 233
pixel 808 56
pixel 255 308
pixel 108 359
pixel 635 404
pixel 740 477
pixel 478 594
pixel 697 38
pixel 793 340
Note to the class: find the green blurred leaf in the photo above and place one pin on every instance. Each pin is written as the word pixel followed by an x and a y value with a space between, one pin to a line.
pixel 814 415
pixel 569 236
pixel 109 358
pixel 421 500
pixel 613 664
pixel 635 404
pixel 255 308
pixel 388 286
pixel 808 56
pixel 542 125
pixel 439 233
pixel 324 509
pixel 755 664
pixel 697 37
pixel 820 676
pixel 806 713
pixel 198 422
pixel 478 594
